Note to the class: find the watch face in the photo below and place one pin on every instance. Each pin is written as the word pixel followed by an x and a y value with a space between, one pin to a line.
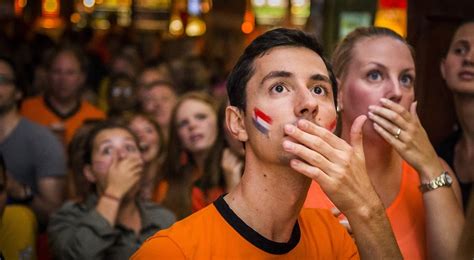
pixel 448 179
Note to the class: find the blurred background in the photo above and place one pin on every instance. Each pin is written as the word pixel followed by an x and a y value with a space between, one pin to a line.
pixel 217 31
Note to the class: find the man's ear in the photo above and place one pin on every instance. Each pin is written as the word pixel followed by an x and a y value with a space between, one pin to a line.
pixel 235 122
pixel 340 92
pixel 87 171
pixel 442 69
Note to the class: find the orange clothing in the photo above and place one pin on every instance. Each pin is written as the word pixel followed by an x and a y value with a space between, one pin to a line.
pixel 406 213
pixel 199 200
pixel 38 110
pixel 217 232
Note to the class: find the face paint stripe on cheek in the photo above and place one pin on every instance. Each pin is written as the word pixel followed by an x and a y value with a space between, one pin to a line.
pixel 332 126
pixel 261 121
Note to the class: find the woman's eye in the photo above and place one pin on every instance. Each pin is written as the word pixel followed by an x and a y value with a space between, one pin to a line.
pixel 131 148
pixel 407 80
pixel 459 50
pixel 182 123
pixel 201 116
pixel 374 75
pixel 107 150
pixel 318 90
pixel 279 88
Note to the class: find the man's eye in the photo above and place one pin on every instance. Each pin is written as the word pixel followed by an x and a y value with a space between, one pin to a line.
pixel 279 88
pixel 318 90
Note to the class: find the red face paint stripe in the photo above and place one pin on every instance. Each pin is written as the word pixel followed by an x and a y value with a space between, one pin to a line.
pixel 332 126
pixel 260 114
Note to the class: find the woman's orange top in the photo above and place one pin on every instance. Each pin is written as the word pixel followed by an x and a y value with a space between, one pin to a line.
pixel 406 213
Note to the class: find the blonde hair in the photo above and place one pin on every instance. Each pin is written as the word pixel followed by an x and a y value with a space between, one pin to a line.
pixel 343 53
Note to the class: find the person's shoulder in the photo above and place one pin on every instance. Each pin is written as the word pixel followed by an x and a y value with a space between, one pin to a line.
pixel 37 133
pixel 158 214
pixel 316 219
pixel 32 101
pixel 89 108
pixel 30 105
pixel 180 240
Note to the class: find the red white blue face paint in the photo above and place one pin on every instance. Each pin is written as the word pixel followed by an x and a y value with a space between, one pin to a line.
pixel 261 121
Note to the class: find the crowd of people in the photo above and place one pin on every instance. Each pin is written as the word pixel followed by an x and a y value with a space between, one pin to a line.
pixel 104 152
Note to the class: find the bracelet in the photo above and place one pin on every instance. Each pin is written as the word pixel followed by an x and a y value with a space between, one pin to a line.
pixel 111 196
pixel 443 180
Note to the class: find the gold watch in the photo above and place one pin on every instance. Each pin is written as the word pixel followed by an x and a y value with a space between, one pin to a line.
pixel 444 180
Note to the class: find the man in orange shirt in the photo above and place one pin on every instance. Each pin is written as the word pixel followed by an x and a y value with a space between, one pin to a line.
pixel 282 95
pixel 61 108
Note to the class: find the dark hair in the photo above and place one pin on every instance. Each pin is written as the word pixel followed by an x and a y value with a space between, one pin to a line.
pixel 343 53
pixel 244 68
pixel 459 25
pixel 69 48
pixel 80 154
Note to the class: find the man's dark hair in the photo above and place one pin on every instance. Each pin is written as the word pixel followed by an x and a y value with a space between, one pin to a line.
pixel 244 68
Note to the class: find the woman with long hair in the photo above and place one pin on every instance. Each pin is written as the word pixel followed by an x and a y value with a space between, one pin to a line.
pixel 111 221
pixel 151 144
pixel 457 69
pixel 193 176
pixel 376 70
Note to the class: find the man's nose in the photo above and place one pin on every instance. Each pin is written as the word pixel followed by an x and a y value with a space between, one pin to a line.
pixel 306 105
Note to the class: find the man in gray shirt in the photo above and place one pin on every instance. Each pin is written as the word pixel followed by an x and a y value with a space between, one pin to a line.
pixel 34 158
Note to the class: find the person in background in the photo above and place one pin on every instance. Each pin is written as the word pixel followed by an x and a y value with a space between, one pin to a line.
pixel 284 112
pixel 18 227
pixel 457 69
pixel 112 221
pixel 158 99
pixel 193 176
pixel 61 108
pixel 376 70
pixel 122 96
pixel 35 159
pixel 150 139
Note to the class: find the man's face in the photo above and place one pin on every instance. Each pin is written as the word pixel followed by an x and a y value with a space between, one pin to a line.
pixel 8 93
pixel 289 83
pixel 159 101
pixel 66 77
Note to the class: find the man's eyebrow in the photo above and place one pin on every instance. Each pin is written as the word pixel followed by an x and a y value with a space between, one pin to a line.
pixel 320 77
pixel 276 74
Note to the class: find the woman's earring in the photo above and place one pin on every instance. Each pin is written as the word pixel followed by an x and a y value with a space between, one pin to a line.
pixel 338 109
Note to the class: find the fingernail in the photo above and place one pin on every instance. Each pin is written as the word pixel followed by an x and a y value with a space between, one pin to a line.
pixel 371 115
pixel 371 107
pixel 289 129
pixel 287 145
pixel 384 100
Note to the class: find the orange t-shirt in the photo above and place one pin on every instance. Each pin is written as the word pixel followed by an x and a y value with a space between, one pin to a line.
pixel 199 200
pixel 217 232
pixel 37 110
pixel 406 213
